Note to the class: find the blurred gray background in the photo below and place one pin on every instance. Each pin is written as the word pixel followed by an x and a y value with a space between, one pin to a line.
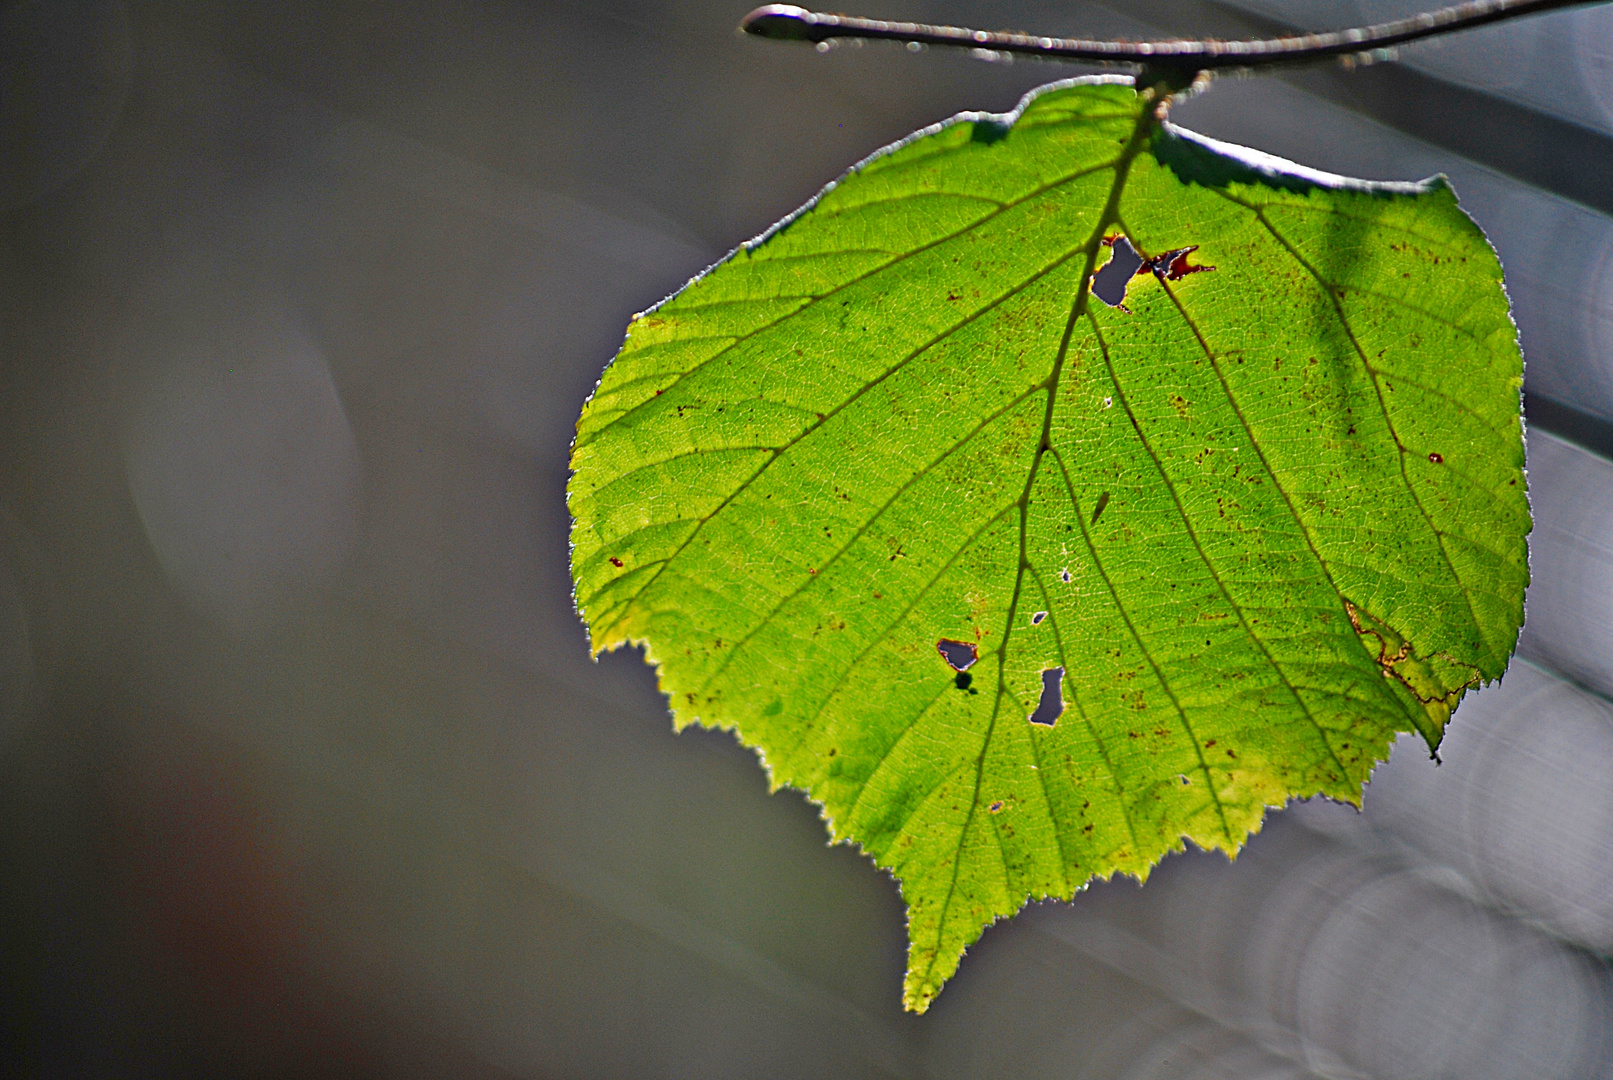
pixel 304 770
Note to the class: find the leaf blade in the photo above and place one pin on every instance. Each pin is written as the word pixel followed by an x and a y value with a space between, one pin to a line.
pixel 897 418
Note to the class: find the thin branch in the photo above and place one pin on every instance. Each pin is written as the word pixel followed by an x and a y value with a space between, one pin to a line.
pixel 786 22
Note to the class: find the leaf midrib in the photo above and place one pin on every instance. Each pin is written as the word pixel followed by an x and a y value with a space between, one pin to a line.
pixel 1147 120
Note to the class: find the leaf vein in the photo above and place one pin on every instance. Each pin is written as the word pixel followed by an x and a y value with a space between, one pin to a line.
pixel 884 635
pixel 742 338
pixel 1384 406
pixel 918 475
pixel 864 389
pixel 1080 708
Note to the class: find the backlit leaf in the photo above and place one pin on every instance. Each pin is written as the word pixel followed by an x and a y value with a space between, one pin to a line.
pixel 1025 582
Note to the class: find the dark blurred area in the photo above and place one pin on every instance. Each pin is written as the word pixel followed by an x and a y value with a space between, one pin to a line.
pixel 304 767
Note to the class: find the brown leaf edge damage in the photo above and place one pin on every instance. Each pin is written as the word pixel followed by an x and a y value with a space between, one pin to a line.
pixel 1436 681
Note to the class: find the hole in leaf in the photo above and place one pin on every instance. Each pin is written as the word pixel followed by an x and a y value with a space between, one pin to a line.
pixel 958 654
pixel 1109 283
pixel 1036 620
pixel 1051 707
pixel 1064 576
pixel 996 806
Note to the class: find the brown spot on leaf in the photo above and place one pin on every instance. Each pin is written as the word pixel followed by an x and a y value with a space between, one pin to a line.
pixel 1173 265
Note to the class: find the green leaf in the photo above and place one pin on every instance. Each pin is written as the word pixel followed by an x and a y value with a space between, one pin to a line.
pixel 1253 523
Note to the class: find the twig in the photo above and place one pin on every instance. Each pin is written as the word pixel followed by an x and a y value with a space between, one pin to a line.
pixel 786 22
